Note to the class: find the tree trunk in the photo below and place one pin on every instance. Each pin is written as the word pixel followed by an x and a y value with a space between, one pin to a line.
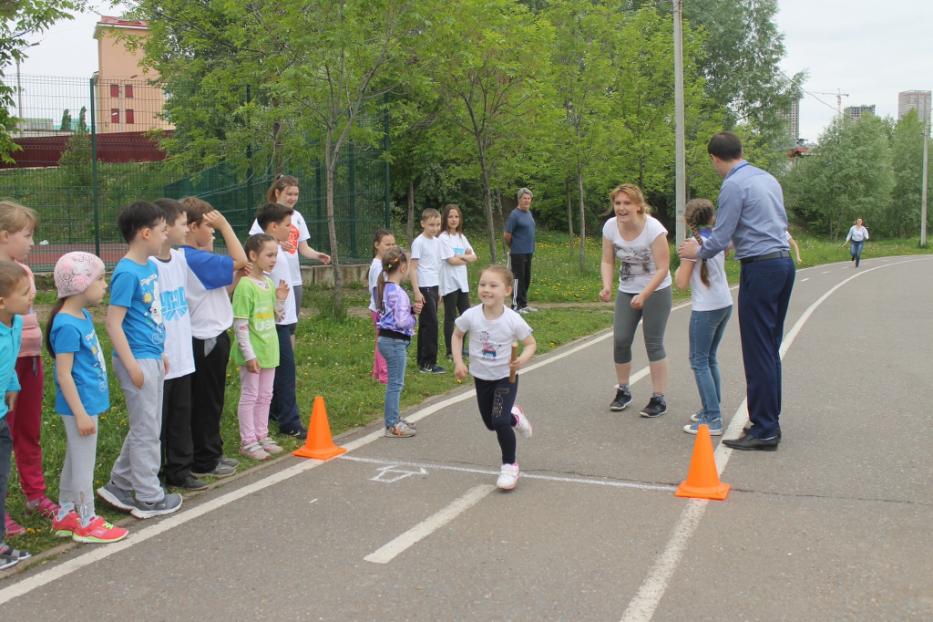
pixel 582 218
pixel 569 207
pixel 505 247
pixel 330 171
pixel 487 206
pixel 410 225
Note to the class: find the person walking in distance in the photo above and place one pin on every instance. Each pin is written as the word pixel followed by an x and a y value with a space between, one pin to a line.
pixel 856 240
pixel 751 215
pixel 520 238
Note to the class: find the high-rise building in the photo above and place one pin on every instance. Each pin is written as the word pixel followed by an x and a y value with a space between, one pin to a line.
pixel 857 112
pixel 792 119
pixel 914 100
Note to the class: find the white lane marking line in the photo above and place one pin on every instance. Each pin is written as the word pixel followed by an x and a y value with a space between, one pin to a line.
pixel 642 607
pixel 44 577
pixel 314 500
pixel 525 475
pixel 825 272
pixel 425 528
pixel 805 280
pixel 391 473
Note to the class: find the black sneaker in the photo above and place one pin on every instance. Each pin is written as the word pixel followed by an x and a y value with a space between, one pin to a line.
pixel 190 483
pixel 425 369
pixel 655 408
pixel 437 369
pixel 623 399
pixel 298 432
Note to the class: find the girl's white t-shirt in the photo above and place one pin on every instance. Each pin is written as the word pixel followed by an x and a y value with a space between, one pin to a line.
pixel 453 278
pixel 173 281
pixel 636 261
pixel 375 269
pixel 717 295
pixel 491 340
pixel 298 233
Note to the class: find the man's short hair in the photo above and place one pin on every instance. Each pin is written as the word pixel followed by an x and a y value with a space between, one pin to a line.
pixel 522 192
pixel 272 212
pixel 138 216
pixel 725 146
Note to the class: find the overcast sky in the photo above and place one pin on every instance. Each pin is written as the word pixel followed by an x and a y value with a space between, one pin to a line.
pixel 868 49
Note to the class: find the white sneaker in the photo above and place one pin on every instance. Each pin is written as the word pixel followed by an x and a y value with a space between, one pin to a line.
pixel 521 422
pixel 508 476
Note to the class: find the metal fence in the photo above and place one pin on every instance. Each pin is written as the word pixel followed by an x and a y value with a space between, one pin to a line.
pixel 90 147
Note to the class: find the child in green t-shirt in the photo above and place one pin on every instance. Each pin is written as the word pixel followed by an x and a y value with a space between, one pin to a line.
pixel 256 305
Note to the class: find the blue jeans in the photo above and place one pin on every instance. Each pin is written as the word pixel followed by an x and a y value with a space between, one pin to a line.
pixel 855 249
pixel 706 330
pixel 764 295
pixel 395 352
pixel 284 407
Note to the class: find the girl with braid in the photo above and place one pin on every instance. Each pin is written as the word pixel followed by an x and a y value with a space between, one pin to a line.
pixel 711 304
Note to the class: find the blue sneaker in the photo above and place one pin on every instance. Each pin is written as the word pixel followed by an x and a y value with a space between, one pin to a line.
pixel 715 428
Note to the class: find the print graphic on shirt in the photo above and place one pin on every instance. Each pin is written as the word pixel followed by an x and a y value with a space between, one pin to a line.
pixel 174 304
pixel 152 298
pixel 293 235
pixel 489 348
pixel 458 250
pixel 94 346
pixel 633 262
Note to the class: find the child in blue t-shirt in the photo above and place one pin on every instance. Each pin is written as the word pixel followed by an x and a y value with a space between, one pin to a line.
pixel 134 323
pixel 16 298
pixel 81 393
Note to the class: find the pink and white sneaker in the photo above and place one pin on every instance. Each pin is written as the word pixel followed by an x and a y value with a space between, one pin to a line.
pixel 11 528
pixel 43 506
pixel 521 422
pixel 508 477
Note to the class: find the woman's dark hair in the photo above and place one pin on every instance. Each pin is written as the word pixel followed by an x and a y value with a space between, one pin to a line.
pixel 281 183
pixel 391 262
pixel 377 237
pixel 447 209
pixel 256 242
pixel 699 212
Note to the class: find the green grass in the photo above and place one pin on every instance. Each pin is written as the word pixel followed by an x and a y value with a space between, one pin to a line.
pixel 335 358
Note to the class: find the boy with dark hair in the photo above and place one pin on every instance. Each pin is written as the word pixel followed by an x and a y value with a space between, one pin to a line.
pixel 177 454
pixel 137 332
pixel 209 276
pixel 16 298
pixel 276 220
pixel 425 272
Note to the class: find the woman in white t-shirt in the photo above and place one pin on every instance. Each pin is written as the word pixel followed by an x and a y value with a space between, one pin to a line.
pixel 856 240
pixel 284 190
pixel 456 255
pixel 711 307
pixel 639 243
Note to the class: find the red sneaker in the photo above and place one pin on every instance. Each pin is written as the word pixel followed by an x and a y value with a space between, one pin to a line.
pixel 66 527
pixel 43 506
pixel 99 531
pixel 12 528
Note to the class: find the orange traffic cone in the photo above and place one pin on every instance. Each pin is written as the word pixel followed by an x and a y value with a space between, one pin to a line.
pixel 320 445
pixel 702 479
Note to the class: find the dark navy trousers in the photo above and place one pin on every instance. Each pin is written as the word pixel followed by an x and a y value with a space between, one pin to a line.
pixel 764 294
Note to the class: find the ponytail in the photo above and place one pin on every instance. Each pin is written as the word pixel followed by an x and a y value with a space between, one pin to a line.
pixel 391 262
pixel 48 327
pixel 699 212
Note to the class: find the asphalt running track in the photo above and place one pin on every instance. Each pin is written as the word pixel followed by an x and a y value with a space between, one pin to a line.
pixel 833 526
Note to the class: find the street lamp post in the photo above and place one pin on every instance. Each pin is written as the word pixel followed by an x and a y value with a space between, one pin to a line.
pixel 680 167
pixel 923 180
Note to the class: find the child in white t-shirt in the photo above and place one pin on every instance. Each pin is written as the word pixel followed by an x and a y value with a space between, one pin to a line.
pixel 493 329
pixel 456 255
pixel 383 240
pixel 711 304
pixel 425 283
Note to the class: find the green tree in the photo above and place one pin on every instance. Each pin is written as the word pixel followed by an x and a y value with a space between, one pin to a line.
pixel 82 119
pixel 19 20
pixel 65 125
pixel 74 166
pixel 907 155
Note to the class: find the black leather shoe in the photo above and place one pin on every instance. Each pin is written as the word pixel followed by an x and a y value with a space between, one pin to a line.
pixel 748 426
pixel 746 443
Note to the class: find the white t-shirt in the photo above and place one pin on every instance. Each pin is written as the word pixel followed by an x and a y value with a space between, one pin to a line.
pixel 375 269
pixel 491 340
pixel 209 274
pixel 428 253
pixel 281 272
pixel 173 281
pixel 717 295
pixel 453 278
pixel 636 261
pixel 298 233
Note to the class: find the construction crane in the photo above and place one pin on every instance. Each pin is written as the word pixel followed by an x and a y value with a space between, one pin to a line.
pixel 838 95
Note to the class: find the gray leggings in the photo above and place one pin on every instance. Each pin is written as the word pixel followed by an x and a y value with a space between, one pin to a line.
pixel 76 487
pixel 654 315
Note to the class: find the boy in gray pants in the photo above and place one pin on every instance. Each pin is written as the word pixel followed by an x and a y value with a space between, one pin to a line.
pixel 136 329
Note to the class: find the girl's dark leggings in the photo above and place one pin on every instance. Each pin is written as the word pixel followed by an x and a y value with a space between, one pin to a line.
pixel 495 399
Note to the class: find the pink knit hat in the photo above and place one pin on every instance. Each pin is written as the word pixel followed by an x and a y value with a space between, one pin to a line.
pixel 75 271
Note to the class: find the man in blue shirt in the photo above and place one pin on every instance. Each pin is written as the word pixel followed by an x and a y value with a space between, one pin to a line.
pixel 520 238
pixel 751 215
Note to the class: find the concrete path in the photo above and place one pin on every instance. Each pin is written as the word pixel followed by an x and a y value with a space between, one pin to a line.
pixel 835 525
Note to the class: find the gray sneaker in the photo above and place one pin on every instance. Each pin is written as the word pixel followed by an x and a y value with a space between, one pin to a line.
pixel 171 502
pixel 230 462
pixel 221 470
pixel 117 497
pixel 400 430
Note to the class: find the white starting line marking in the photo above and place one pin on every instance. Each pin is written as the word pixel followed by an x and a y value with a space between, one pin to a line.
pixel 422 530
pixel 423 466
pixel 642 607
pixel 391 473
